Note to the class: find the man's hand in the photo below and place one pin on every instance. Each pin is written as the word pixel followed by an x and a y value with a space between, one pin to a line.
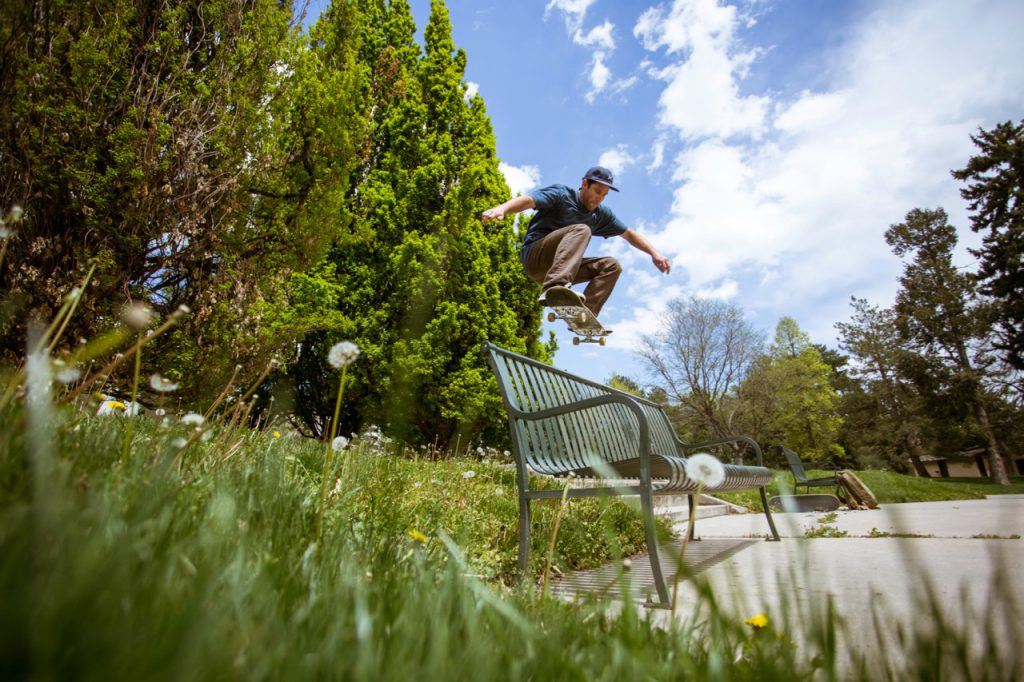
pixel 661 262
pixel 496 213
pixel 510 207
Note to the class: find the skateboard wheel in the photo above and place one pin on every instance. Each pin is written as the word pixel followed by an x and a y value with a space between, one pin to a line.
pixel 600 341
pixel 575 340
pixel 552 317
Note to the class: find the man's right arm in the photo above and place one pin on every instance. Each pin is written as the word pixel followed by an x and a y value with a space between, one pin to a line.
pixel 520 203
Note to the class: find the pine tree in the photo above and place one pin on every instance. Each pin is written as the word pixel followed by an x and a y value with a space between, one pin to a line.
pixel 939 313
pixel 995 195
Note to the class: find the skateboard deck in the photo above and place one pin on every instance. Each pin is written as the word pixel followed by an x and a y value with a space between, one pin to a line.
pixel 804 503
pixel 566 305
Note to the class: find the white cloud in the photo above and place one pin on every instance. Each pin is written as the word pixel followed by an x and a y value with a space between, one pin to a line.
pixel 600 40
pixel 616 159
pixel 781 203
pixel 657 155
pixel 520 179
pixel 471 90
pixel 702 97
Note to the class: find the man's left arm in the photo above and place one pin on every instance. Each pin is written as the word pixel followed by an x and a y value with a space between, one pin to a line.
pixel 637 241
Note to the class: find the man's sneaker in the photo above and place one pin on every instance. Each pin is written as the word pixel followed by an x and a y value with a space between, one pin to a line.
pixel 543 298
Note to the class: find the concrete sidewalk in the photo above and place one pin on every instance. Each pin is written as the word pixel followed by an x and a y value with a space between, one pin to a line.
pixel 970 567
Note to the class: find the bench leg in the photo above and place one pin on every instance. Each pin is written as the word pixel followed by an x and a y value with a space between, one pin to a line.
pixel 768 514
pixel 690 527
pixel 524 535
pixel 647 506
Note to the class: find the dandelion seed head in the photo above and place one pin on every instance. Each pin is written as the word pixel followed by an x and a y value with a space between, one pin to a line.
pixel 17 213
pixel 137 315
pixel 705 469
pixel 162 385
pixel 179 443
pixel 339 443
pixel 65 373
pixel 342 354
pixel 4 232
pixel 468 474
pixel 193 419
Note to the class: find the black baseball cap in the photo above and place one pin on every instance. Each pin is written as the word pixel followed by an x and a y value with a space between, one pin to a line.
pixel 602 175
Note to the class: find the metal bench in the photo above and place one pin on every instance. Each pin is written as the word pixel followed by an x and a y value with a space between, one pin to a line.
pixel 563 424
pixel 800 478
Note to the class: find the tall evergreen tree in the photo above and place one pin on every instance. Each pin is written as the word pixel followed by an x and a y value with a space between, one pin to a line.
pixel 429 283
pixel 939 313
pixel 995 193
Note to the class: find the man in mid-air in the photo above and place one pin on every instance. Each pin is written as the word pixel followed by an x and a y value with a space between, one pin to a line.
pixel 566 219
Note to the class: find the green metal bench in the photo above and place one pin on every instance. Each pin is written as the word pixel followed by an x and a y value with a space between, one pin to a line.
pixel 800 478
pixel 562 424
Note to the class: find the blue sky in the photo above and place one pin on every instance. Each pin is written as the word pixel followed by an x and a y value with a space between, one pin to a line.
pixel 763 146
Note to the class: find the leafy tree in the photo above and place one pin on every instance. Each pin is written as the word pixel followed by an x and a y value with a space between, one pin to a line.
pixel 885 419
pixel 995 193
pixel 942 319
pixel 789 397
pixel 192 150
pixel 702 352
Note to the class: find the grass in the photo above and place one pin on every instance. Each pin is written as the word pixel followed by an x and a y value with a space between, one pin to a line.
pixel 204 564
pixel 888 488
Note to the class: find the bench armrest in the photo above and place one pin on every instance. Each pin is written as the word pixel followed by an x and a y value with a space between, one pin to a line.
pixel 733 439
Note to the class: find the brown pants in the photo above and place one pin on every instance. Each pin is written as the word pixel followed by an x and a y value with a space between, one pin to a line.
pixel 557 260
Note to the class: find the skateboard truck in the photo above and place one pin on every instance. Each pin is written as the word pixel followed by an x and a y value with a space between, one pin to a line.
pixel 566 305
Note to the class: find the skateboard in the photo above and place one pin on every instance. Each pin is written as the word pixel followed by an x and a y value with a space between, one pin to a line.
pixel 804 503
pixel 566 305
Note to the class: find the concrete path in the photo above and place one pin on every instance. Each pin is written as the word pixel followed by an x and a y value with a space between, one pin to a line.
pixel 966 576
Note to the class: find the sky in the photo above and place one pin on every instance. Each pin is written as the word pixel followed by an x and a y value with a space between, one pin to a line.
pixel 763 146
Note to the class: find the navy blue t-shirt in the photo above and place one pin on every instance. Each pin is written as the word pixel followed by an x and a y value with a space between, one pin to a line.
pixel 559 206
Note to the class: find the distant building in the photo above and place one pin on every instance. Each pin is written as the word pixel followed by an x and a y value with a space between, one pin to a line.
pixel 966 464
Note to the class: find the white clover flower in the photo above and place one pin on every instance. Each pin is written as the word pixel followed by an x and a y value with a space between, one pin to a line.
pixel 339 443
pixel 705 470
pixel 162 385
pixel 499 490
pixel 137 315
pixel 342 354
pixel 468 474
pixel 193 419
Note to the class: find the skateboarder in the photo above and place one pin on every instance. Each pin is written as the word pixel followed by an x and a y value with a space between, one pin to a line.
pixel 552 251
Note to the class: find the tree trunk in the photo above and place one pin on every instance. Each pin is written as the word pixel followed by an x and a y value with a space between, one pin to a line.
pixel 995 458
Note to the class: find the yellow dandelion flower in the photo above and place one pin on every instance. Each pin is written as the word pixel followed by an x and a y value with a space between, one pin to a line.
pixel 758 621
pixel 417 536
pixel 277 434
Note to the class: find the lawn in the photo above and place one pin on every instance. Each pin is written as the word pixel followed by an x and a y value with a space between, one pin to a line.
pixel 889 488
pixel 123 556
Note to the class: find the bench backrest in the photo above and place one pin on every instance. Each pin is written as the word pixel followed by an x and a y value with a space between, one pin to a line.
pixel 795 465
pixel 606 433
